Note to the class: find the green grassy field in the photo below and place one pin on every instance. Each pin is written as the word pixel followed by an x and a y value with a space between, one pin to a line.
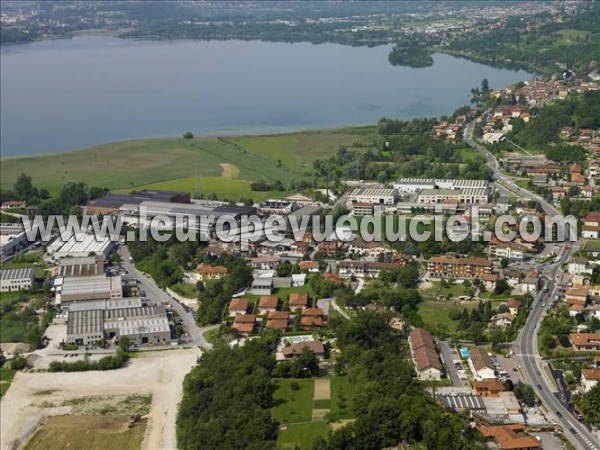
pixel 87 433
pixel 225 165
pixel 342 394
pixel 291 405
pixel 436 313
pixel 225 188
pixel 301 435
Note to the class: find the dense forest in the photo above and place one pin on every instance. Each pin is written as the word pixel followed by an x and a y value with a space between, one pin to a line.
pixel 228 396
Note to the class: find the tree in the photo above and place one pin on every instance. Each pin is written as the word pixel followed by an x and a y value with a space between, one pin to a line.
pixel 590 406
pixel 23 187
pixel 504 262
pixel 124 343
pixel 485 87
pixel 502 286
pixel 188 135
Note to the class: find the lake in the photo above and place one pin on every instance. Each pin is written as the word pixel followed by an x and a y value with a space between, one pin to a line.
pixel 67 94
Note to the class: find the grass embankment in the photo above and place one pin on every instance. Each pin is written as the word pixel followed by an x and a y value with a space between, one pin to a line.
pixel 226 166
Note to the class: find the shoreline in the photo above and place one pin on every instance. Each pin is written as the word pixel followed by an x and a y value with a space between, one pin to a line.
pixel 197 137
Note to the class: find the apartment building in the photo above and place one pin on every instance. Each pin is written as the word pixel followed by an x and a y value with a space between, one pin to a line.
pixel 458 268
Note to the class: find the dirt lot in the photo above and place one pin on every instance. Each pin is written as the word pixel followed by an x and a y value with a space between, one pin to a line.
pixel 159 374
pixel 87 433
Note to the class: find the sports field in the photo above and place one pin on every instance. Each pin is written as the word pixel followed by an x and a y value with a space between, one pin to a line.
pixel 225 166
pixel 87 433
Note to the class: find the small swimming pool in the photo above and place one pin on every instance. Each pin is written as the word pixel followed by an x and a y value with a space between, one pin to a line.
pixel 464 352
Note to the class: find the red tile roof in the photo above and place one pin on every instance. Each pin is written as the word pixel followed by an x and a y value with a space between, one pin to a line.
pixel 238 304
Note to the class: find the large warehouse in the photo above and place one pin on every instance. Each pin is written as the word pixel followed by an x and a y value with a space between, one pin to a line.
pixel 79 245
pixel 141 324
pixel 376 196
pixel 16 279
pixel 95 287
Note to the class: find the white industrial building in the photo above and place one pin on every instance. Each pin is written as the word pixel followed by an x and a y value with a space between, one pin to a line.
pixel 97 287
pixel 375 196
pixel 414 185
pixel 80 245
pixel 464 195
pixel 141 324
pixel 16 279
pixel 12 238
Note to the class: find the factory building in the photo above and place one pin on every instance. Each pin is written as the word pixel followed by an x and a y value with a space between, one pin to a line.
pixel 12 280
pixel 97 287
pixel 141 324
pixel 375 196
pixel 81 245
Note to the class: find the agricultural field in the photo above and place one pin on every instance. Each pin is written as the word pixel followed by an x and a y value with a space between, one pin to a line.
pixel 225 165
pixel 87 433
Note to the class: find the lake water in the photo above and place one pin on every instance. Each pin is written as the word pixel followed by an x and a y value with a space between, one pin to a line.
pixel 67 94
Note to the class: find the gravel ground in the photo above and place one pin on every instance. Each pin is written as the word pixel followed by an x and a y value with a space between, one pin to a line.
pixel 159 374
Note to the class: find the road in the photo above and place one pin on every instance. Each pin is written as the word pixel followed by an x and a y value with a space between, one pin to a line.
pixel 526 347
pixel 153 291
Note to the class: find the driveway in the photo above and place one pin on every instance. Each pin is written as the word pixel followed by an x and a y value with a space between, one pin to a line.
pixel 449 354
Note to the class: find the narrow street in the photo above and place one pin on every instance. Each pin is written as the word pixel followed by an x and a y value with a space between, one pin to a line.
pixel 154 292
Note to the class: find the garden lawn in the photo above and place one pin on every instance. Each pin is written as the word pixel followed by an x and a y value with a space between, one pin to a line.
pixel 291 405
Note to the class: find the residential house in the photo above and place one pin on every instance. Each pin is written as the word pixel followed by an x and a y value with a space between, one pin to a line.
pixel 481 364
pixel 575 309
pixel 238 306
pixel 509 250
pixel 13 204
pixel 294 350
pixel 267 304
pixel 504 320
pixel 244 323
pixel 530 283
pixel 591 226
pixel 298 279
pixel 585 342
pixel 265 263
pixel 513 306
pixel 577 295
pixel 489 280
pixel 577 266
pixel 298 300
pixel 206 272
pixel 589 378
pixel 278 320
pixel 309 266
pixel 311 317
pixel 512 277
